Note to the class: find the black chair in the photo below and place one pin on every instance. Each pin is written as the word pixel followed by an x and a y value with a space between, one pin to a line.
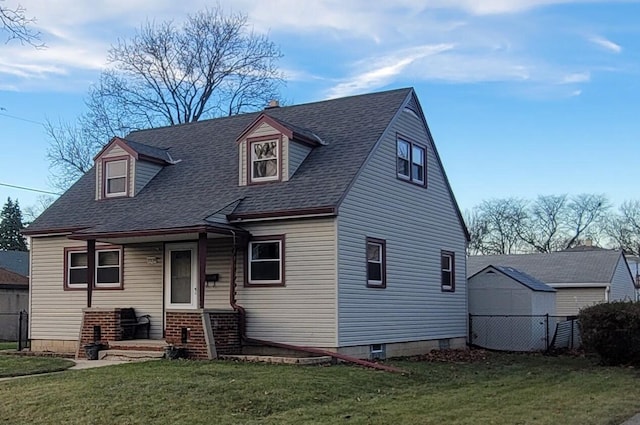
pixel 130 323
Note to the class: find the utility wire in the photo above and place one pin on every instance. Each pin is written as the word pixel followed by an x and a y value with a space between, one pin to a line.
pixel 29 189
pixel 20 119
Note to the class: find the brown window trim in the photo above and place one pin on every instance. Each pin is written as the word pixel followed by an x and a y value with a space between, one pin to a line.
pixel 104 162
pixel 452 287
pixel 249 141
pixel 411 144
pixel 383 244
pixel 281 239
pixel 66 286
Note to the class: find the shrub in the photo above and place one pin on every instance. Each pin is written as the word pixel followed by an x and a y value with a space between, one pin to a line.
pixel 612 330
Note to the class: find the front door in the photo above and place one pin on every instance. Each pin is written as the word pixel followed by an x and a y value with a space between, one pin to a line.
pixel 181 279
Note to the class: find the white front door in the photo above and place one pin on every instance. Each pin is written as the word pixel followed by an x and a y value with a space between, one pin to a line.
pixel 181 275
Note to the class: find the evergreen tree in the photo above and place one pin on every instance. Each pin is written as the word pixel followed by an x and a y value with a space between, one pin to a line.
pixel 10 226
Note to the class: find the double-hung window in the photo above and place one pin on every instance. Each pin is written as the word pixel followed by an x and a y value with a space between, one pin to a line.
pixel 115 178
pixel 411 162
pixel 108 272
pixel 264 157
pixel 376 263
pixel 448 276
pixel 266 261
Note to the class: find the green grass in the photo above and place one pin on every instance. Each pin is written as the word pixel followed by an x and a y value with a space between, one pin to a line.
pixel 8 345
pixel 503 389
pixel 14 365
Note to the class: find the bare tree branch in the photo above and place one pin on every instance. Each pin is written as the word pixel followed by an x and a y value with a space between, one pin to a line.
pixel 15 23
pixel 624 227
pixel 211 65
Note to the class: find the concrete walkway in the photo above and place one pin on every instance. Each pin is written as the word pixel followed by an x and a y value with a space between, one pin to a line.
pixel 79 365
pixel 635 420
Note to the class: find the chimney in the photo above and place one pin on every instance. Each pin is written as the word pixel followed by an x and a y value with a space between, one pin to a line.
pixel 272 104
pixel 588 242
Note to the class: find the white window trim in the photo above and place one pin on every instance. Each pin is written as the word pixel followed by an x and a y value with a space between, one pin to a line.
pixel 251 261
pixel 107 177
pixel 252 160
pixel 70 285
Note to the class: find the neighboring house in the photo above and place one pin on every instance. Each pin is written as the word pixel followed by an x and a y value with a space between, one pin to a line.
pixel 581 277
pixel 329 224
pixel 14 291
pixel 508 310
pixel 15 261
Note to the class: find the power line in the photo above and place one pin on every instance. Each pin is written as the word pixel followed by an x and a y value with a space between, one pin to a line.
pixel 29 189
pixel 20 119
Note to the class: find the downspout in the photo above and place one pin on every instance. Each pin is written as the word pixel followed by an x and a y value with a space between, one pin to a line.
pixel 232 291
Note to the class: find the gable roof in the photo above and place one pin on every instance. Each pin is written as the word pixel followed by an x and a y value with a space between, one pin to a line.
pixel 182 195
pixel 11 279
pixel 15 261
pixel 139 151
pixel 520 277
pixel 556 267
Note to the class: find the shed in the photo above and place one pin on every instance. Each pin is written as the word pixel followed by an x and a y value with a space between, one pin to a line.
pixel 510 310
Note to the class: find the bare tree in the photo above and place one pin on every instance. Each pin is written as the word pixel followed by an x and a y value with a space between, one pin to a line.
pixel 624 227
pixel 211 65
pixel 31 212
pixel 500 221
pixel 15 23
pixel 543 229
pixel 584 213
pixel 478 230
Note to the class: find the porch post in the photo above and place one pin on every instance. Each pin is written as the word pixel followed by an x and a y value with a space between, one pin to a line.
pixel 202 267
pixel 91 268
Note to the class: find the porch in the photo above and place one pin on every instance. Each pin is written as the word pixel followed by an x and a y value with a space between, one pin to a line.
pixel 187 288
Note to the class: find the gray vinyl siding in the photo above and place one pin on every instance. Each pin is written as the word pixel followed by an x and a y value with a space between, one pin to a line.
pixel 303 312
pixel 297 153
pixel 622 287
pixel 417 223
pixel 56 314
pixel 144 172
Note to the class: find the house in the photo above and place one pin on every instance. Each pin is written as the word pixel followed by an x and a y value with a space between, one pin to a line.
pixel 508 310
pixel 14 291
pixel 580 277
pixel 328 225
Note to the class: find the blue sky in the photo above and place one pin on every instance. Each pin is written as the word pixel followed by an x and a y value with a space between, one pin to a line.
pixel 523 97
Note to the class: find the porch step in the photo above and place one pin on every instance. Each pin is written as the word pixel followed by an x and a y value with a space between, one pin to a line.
pixel 129 355
pixel 139 345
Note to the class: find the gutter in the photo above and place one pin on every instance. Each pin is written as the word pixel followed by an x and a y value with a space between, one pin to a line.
pixel 232 291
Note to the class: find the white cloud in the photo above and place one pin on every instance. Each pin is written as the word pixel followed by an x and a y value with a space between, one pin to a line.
pixel 576 77
pixel 380 71
pixel 606 44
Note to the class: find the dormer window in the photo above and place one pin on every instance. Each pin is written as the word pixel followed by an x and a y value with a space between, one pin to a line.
pixel 115 178
pixel 264 157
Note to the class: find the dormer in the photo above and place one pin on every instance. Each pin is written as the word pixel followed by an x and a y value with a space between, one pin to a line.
pixel 124 167
pixel 271 150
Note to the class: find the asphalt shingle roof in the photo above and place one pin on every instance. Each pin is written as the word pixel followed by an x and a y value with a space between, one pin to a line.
pixel 149 151
pixel 528 281
pixel 205 179
pixel 556 267
pixel 15 261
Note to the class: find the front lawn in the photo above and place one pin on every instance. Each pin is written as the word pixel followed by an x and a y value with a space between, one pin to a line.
pixel 14 365
pixel 8 346
pixel 500 389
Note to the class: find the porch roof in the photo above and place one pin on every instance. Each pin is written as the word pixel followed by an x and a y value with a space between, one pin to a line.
pixel 159 235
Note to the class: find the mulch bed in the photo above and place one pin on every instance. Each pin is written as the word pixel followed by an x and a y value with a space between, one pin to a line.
pixel 453 356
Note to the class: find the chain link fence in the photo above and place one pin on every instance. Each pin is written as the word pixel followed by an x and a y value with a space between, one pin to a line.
pixel 14 327
pixel 523 332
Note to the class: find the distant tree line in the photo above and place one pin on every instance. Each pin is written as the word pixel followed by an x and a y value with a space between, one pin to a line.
pixel 552 223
